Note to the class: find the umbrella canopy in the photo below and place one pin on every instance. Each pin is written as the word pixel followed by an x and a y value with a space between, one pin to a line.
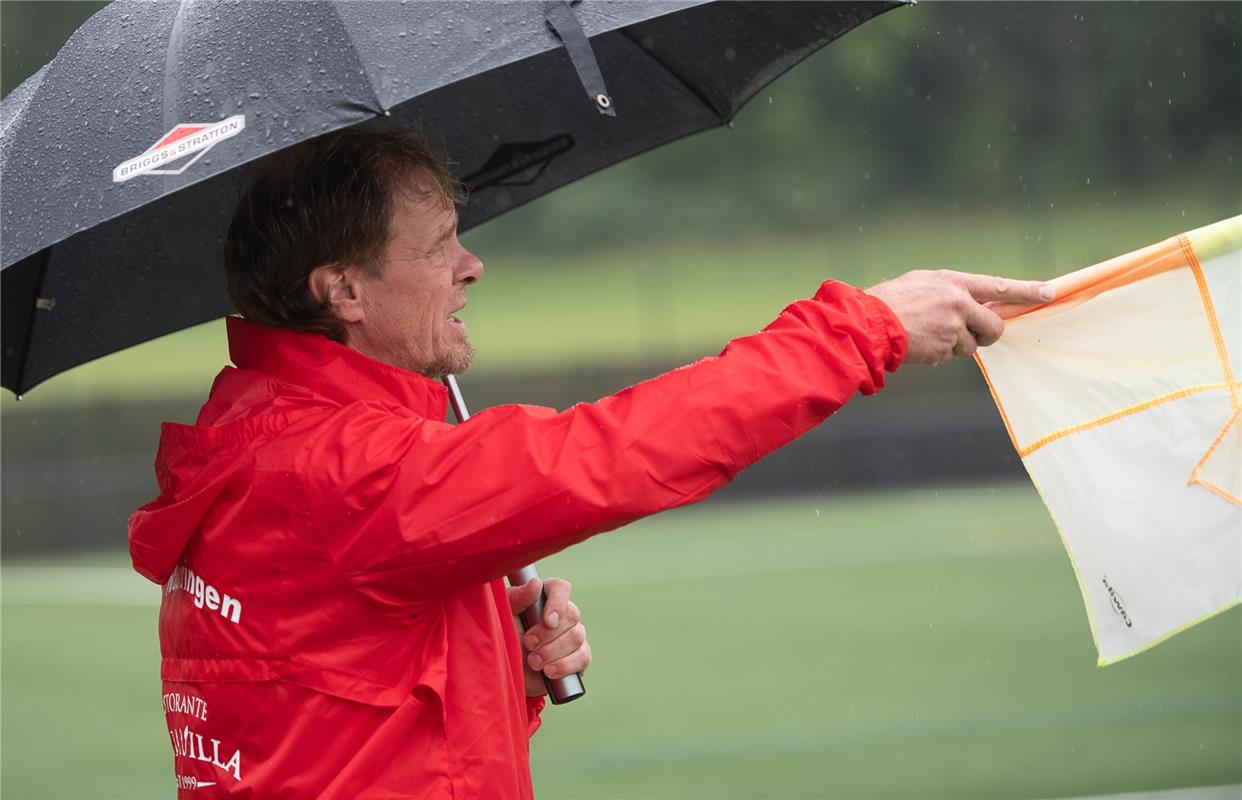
pixel 119 158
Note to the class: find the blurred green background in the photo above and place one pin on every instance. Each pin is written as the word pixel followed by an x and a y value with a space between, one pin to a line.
pixel 905 624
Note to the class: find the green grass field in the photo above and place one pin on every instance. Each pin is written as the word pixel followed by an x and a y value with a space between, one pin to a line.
pixel 910 644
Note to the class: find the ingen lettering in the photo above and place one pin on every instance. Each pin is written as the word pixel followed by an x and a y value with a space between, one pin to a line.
pixel 204 594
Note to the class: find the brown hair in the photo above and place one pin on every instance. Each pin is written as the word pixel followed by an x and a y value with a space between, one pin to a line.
pixel 321 202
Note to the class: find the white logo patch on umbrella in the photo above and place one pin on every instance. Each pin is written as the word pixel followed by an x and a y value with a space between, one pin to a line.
pixel 178 149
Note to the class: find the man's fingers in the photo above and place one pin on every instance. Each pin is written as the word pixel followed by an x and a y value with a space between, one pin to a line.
pixel 577 661
pixel 939 309
pixel 966 344
pixel 985 324
pixel 557 591
pixel 564 645
pixel 558 646
pixel 524 596
pixel 541 635
pixel 985 288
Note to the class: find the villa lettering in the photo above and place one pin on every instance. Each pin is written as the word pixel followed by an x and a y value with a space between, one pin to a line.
pixel 188 744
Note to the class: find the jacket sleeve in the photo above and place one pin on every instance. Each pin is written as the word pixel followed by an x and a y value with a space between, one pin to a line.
pixel 412 508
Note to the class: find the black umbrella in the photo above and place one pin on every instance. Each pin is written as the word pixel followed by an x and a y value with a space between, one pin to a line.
pixel 119 157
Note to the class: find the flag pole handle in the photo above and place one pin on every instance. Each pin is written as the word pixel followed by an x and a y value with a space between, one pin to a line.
pixel 560 690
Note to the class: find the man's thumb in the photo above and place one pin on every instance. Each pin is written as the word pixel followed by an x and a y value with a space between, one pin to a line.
pixel 524 596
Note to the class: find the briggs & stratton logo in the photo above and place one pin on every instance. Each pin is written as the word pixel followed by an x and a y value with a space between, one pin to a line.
pixel 188 138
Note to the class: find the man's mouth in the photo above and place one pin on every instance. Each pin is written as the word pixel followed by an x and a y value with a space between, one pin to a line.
pixel 455 322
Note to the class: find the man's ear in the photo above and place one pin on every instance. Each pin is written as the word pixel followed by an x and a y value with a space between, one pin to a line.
pixel 338 286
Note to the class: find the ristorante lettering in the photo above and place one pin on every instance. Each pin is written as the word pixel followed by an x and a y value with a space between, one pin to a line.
pixel 188 704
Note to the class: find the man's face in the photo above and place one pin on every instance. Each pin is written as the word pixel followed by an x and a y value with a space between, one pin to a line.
pixel 411 301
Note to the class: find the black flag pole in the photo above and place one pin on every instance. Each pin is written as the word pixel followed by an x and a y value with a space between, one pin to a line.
pixel 560 690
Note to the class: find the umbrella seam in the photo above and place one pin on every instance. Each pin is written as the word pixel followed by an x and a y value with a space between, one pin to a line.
pixel 35 81
pixel 171 54
pixel 696 91
pixel 376 105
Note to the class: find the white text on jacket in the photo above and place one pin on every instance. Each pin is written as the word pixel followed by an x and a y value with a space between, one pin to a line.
pixel 188 744
pixel 205 594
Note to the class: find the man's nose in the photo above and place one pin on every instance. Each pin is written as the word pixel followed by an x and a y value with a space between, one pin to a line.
pixel 470 269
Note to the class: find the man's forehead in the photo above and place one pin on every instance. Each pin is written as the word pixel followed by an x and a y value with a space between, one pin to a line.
pixel 426 197
pixel 417 185
pixel 422 211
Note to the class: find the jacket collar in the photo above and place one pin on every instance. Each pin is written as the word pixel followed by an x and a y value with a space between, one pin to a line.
pixel 331 370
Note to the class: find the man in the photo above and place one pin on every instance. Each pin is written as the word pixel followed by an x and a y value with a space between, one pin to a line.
pixel 333 622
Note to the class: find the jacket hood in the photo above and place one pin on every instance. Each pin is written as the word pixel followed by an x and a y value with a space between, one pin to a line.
pixel 192 466
pixel 280 374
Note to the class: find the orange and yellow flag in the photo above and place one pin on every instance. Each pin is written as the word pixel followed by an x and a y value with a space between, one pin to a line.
pixel 1122 398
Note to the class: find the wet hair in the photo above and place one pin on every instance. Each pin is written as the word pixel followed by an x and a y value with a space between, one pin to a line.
pixel 325 201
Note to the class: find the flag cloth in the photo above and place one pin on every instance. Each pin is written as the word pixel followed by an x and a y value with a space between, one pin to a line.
pixel 1122 397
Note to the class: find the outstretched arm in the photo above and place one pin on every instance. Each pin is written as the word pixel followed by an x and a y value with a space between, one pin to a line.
pixel 416 508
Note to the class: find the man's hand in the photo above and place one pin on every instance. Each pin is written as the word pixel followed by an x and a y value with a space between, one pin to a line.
pixel 945 313
pixel 557 647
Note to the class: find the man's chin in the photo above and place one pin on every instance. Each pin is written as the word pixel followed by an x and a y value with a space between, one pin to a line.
pixel 454 363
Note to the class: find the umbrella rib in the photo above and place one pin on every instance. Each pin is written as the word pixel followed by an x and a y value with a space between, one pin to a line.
pixel 690 87
pixel 376 105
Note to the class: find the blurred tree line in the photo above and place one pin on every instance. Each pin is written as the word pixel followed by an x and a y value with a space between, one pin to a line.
pixel 947 105
pixel 940 105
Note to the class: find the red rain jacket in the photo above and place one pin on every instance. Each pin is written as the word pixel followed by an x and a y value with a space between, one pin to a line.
pixel 333 621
